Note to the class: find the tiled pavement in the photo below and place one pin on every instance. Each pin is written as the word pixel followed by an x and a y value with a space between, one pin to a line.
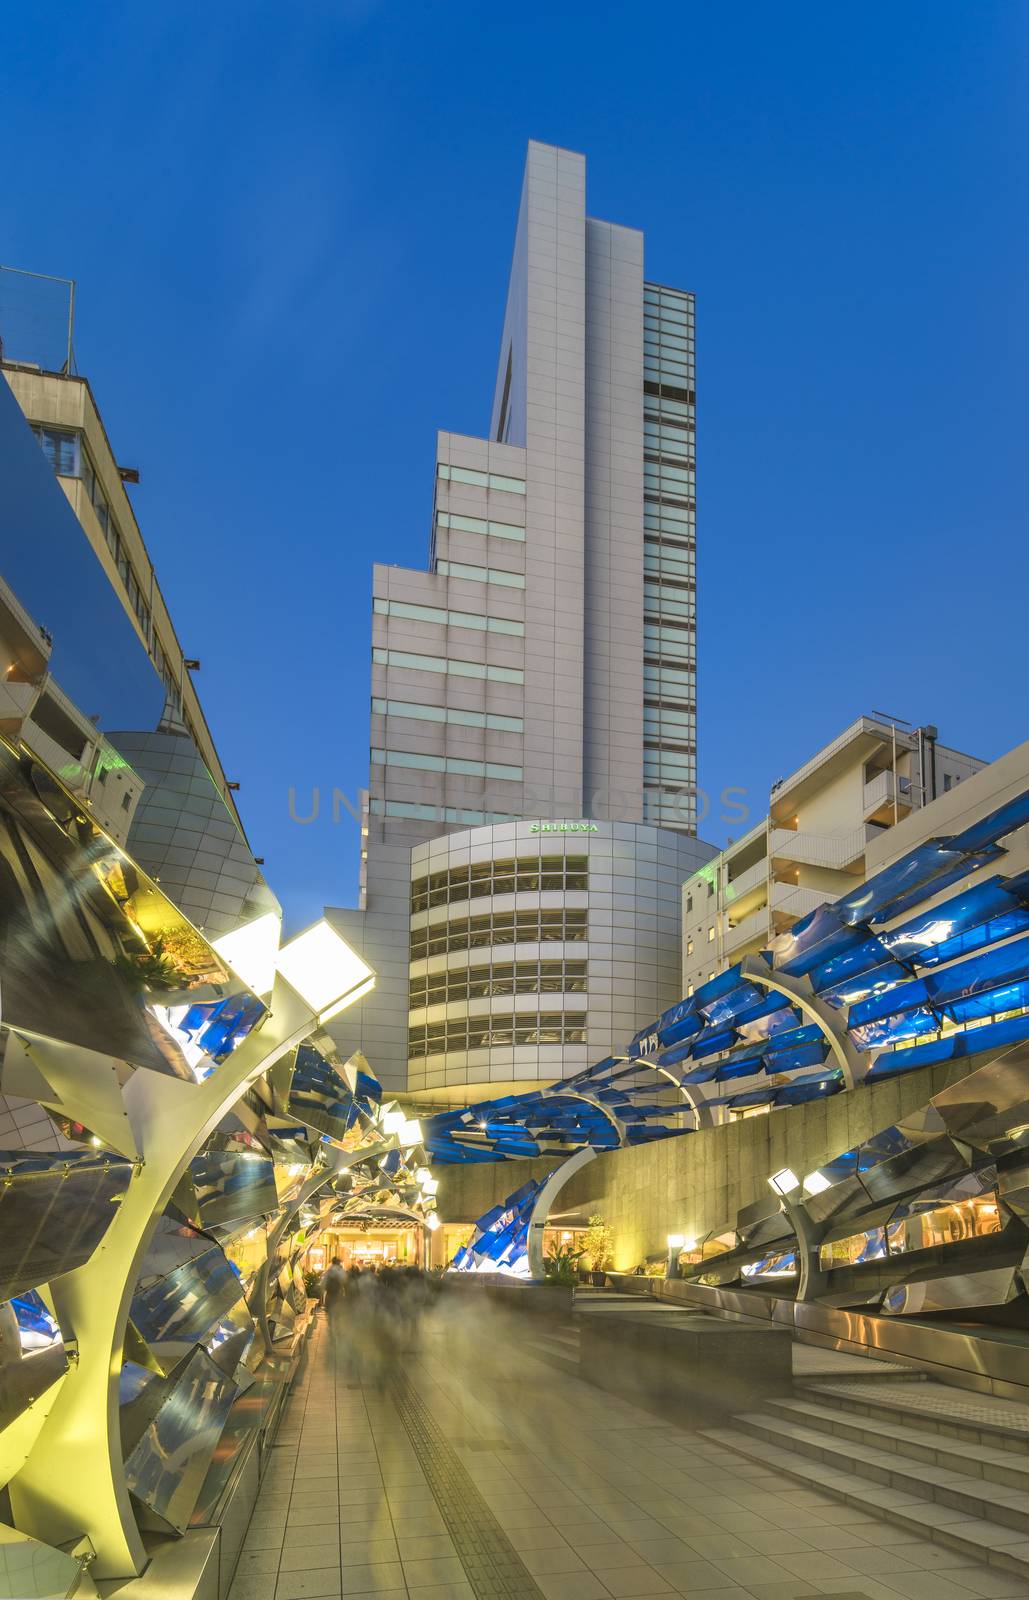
pixel 546 1487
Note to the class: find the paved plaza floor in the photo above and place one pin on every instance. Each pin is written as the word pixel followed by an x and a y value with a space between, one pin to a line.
pixel 475 1472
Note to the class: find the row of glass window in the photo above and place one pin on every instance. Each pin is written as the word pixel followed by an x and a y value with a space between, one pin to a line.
pixel 659 721
pixel 479 983
pixel 663 408
pixel 464 569
pixel 447 666
pixel 452 619
pixel 675 343
pixel 464 719
pixel 495 530
pixel 66 452
pixel 484 1033
pixel 470 769
pixel 662 766
pixel 515 875
pixel 666 647
pixel 670 521
pixel 416 812
pixel 484 480
pixel 669 602
pixel 672 683
pixel 662 369
pixel 661 475
pixel 669 561
pixel 562 926
pixel 664 294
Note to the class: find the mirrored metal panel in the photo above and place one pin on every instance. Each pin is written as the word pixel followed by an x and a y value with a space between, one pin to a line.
pixel 54 1210
pixel 93 953
pixel 166 1469
pixel 232 1186
pixel 186 1306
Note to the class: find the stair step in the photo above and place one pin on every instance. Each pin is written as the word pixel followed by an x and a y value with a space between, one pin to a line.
pixel 934 1408
pixel 898 1433
pixel 977 1538
pixel 555 1352
pixel 961 1492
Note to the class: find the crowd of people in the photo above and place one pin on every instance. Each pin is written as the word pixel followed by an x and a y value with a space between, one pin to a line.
pixel 374 1316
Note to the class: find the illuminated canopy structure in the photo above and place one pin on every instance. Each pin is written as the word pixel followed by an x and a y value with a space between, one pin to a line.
pixel 839 1000
pixel 151 1297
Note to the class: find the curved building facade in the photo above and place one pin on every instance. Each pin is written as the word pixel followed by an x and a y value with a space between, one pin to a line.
pixel 538 947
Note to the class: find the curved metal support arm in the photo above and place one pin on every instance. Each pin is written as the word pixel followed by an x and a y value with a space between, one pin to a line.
pixel 74 1481
pixel 545 1200
pixel 850 1061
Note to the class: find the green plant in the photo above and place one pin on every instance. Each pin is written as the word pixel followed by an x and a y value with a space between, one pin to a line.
pixel 598 1244
pixel 312 1283
pixel 559 1265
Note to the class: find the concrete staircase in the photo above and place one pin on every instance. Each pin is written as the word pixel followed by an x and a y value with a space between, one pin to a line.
pixel 950 1465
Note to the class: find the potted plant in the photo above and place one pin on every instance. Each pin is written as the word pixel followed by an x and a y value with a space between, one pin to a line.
pixel 559 1266
pixel 598 1245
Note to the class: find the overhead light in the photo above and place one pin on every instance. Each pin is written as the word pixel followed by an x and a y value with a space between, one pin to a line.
pixel 676 1241
pixel 815 1183
pixel 250 950
pixel 689 1243
pixel 324 970
pixel 432 1222
pixel 785 1181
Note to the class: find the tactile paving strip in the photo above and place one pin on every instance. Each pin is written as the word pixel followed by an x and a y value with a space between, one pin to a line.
pixel 492 1564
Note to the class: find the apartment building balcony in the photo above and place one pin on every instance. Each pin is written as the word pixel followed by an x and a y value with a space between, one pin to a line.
pixel 748 929
pixel 748 890
pixel 789 903
pixel 880 794
pixel 843 852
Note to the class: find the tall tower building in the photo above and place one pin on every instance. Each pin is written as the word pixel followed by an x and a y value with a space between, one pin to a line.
pixel 531 809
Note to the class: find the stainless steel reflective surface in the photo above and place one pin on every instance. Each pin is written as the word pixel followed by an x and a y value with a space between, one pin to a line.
pixel 232 1185
pixel 184 1307
pixel 166 1469
pixel 54 1211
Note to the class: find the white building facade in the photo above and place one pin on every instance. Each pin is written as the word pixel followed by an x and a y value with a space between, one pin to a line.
pixel 544 666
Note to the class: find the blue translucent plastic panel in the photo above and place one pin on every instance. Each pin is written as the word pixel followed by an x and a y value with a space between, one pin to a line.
pixel 744 1066
pixel 996 826
pixel 715 988
pixel 823 933
pixel 993 1036
pixel 893 1029
pixel 754 1097
pixel 712 1040
pixel 775 1019
pixel 942 880
pixel 1008 997
pixel 850 964
pixel 812 1086
pixel 853 990
pixel 936 989
pixel 797 1056
pixel 729 1007
pixel 704 1074
pixel 1003 927
pixel 917 868
pixel 921 936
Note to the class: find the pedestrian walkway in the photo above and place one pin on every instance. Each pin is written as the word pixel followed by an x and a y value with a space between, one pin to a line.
pixel 477 1472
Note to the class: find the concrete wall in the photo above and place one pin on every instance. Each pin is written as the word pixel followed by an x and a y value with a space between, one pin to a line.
pixel 699 1182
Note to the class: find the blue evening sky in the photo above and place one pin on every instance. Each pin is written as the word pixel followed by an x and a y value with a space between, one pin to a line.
pixel 291 227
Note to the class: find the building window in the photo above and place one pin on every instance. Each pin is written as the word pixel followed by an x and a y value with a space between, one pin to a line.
pixel 464 719
pixel 61 448
pixel 493 1032
pixel 452 619
pixel 710 935
pixel 447 666
pixel 479 983
pixel 524 875
pixel 483 480
pixel 455 764
pixel 689 947
pixel 502 927
pixel 495 530
pixel 464 569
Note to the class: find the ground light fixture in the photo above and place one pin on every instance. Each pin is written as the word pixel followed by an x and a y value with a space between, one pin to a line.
pixel 432 1222
pixel 815 1182
pixel 676 1241
pixel 784 1182
pixel 326 973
